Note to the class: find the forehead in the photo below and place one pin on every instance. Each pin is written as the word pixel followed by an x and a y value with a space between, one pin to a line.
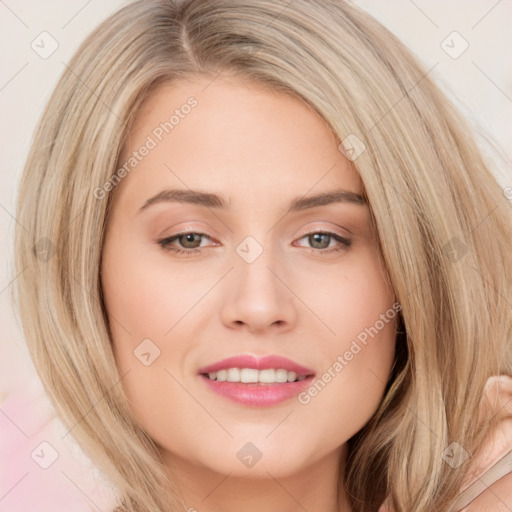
pixel 230 133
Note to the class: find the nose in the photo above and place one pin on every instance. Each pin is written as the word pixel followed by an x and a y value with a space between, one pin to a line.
pixel 257 297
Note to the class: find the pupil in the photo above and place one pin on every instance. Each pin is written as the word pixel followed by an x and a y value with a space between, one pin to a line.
pixel 317 237
pixel 189 240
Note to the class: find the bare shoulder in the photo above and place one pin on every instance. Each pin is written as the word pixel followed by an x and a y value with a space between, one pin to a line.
pixel 496 498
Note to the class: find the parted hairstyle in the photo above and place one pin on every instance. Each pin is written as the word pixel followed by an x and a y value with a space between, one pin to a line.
pixel 442 221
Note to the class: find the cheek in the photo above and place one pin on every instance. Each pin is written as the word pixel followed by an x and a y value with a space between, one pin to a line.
pixel 345 298
pixel 145 298
pixel 152 318
pixel 359 319
pixel 143 305
pixel 351 385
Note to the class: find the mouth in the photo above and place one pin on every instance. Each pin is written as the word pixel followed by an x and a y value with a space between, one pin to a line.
pixel 257 382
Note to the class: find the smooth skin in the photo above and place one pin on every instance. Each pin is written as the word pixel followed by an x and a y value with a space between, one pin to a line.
pixel 260 150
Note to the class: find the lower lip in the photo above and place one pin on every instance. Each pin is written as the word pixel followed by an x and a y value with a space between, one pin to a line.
pixel 257 395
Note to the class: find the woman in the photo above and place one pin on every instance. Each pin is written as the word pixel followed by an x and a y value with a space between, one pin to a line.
pixel 266 267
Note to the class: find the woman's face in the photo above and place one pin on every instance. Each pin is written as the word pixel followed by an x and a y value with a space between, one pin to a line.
pixel 227 239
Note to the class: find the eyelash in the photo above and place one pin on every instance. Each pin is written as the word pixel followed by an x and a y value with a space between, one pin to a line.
pixel 344 243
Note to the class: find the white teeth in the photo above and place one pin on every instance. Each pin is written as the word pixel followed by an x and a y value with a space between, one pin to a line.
pixel 233 375
pixel 248 375
pixel 267 376
pixel 251 375
pixel 281 376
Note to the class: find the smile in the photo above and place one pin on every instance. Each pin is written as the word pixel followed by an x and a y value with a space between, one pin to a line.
pixel 256 381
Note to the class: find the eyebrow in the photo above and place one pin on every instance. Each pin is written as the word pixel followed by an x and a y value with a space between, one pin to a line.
pixel 211 200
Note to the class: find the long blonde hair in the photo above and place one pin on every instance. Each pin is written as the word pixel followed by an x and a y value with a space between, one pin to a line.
pixel 443 224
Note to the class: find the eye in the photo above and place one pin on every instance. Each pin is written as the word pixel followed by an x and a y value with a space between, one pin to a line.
pixel 189 241
pixel 320 242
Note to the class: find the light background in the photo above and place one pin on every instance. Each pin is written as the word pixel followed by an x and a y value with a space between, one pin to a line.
pixel 479 81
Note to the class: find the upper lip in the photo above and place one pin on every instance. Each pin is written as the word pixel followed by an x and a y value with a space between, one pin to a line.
pixel 258 363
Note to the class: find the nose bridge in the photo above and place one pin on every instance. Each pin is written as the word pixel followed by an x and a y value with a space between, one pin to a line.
pixel 253 270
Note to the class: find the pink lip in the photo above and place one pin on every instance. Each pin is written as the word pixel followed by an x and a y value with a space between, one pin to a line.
pixel 257 395
pixel 258 363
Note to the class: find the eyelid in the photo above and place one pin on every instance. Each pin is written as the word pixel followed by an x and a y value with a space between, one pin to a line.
pixel 342 242
pixel 327 228
pixel 186 229
pixel 202 234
